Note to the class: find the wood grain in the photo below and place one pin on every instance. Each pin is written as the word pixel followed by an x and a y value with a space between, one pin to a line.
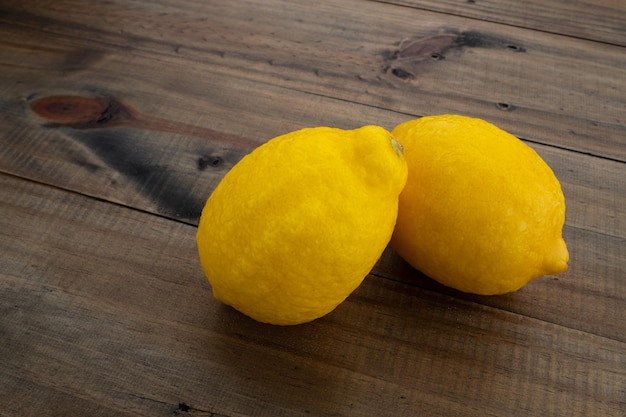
pixel 598 20
pixel 192 132
pixel 542 87
pixel 118 119
pixel 172 141
pixel 147 339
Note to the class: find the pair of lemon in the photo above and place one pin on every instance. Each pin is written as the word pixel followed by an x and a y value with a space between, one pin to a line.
pixel 297 224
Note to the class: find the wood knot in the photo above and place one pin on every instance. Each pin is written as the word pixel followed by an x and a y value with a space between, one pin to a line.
pixel 411 53
pixel 414 51
pixel 80 112
pixel 206 161
pixel 425 48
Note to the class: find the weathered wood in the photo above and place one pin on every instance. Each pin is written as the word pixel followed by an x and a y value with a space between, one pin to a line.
pixel 542 87
pixel 160 152
pixel 590 296
pixel 598 20
pixel 120 165
pixel 117 119
pixel 146 164
pixel 180 141
pixel 105 312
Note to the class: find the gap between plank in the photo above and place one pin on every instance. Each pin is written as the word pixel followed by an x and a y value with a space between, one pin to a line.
pixel 372 273
pixel 156 52
pixel 95 198
pixel 536 142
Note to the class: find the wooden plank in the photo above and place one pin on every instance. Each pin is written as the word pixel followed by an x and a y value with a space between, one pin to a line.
pixel 542 87
pixel 146 166
pixel 105 312
pixel 597 20
pixel 103 307
pixel 197 126
pixel 590 296
pixel 123 172
pixel 187 132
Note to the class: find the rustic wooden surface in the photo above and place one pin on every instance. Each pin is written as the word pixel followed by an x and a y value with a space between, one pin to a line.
pixel 118 118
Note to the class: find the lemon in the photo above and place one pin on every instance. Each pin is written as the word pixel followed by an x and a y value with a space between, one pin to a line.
pixel 296 225
pixel 481 211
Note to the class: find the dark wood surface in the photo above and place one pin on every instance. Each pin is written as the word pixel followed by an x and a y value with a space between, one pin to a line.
pixel 117 119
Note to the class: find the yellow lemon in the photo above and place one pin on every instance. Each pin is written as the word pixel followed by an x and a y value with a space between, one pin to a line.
pixel 481 211
pixel 297 224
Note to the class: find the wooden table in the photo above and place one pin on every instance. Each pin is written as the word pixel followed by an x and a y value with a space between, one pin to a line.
pixel 118 118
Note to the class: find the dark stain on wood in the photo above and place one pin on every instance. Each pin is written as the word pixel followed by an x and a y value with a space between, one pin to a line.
pixel 402 60
pixel 92 121
pixel 423 49
pixel 400 73
pixel 206 161
pixel 79 112
pixel 184 409
pixel 135 157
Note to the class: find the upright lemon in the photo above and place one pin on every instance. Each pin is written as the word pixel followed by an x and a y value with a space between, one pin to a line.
pixel 481 211
pixel 297 224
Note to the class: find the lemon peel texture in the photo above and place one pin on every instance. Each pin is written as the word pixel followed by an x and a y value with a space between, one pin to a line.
pixel 481 211
pixel 297 224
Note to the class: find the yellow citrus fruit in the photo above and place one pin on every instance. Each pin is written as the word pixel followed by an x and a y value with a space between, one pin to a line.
pixel 481 211
pixel 297 224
